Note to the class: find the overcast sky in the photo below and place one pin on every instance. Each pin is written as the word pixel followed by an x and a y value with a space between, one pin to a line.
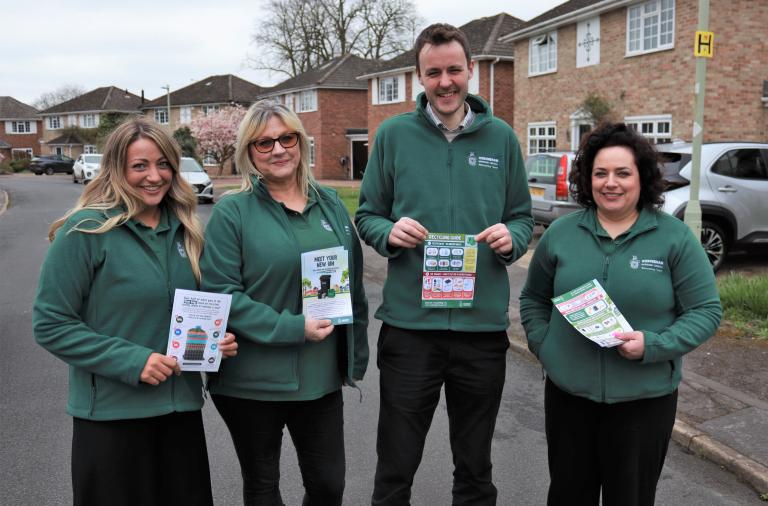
pixel 146 44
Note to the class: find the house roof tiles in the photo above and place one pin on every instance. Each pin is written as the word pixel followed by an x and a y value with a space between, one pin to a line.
pixel 66 139
pixel 105 99
pixel 10 108
pixel 219 89
pixel 340 72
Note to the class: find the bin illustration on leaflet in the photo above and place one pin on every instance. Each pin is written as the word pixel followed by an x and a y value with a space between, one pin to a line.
pixel 196 340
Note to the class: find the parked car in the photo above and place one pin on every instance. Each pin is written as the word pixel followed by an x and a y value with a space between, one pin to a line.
pixel 50 164
pixel 548 185
pixel 86 167
pixel 194 174
pixel 733 192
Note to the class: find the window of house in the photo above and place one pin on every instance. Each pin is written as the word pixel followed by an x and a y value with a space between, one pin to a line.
pixel 542 137
pixel 389 90
pixel 19 153
pixel 311 151
pixel 161 116
pixel 209 159
pixel 21 127
pixel 210 109
pixel 89 149
pixel 185 115
pixel 72 120
pixel 89 120
pixel 650 26
pixel 288 100
pixel 542 54
pixel 54 122
pixel 416 86
pixel 656 128
pixel 307 101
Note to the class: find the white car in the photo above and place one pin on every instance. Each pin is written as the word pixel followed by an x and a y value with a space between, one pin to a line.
pixel 86 168
pixel 194 174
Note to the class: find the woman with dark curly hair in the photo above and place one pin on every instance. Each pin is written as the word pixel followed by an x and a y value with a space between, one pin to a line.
pixel 609 411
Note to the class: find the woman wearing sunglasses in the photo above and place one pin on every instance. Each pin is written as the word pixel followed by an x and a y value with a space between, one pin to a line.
pixel 290 369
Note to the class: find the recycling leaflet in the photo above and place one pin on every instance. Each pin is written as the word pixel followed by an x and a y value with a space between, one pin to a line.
pixel 198 323
pixel 325 291
pixel 450 271
pixel 592 312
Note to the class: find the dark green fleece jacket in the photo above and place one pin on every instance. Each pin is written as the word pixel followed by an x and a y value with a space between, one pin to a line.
pixel 104 305
pixel 658 276
pixel 251 252
pixel 462 187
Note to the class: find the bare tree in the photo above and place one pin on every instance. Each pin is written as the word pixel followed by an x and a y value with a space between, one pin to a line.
pixel 57 96
pixel 302 34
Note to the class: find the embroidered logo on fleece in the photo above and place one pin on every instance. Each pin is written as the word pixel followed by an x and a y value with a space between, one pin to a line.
pixel 647 264
pixel 181 250
pixel 487 162
pixel 326 225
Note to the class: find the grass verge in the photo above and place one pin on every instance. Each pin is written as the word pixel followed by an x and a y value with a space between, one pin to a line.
pixel 745 303
pixel 349 196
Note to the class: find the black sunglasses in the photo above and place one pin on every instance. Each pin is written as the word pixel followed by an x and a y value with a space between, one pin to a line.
pixel 266 145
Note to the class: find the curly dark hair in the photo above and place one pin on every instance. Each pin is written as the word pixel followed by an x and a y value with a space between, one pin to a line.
pixel 646 158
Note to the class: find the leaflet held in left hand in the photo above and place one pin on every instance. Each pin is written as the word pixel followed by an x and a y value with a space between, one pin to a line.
pixel 198 324
pixel 325 285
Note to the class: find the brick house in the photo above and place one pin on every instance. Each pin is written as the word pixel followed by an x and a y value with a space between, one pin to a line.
pixel 330 102
pixel 201 98
pixel 635 58
pixel 20 129
pixel 63 123
pixel 393 85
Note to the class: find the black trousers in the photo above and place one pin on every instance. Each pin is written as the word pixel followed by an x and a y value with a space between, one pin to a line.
pixel 149 461
pixel 617 448
pixel 414 365
pixel 317 430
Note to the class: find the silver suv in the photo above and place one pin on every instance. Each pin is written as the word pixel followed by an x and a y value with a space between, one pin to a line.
pixel 733 192
pixel 548 184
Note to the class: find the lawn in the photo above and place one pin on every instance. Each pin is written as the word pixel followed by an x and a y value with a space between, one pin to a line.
pixel 745 303
pixel 349 196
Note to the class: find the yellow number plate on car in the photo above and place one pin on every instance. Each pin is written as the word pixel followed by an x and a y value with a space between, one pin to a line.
pixel 536 192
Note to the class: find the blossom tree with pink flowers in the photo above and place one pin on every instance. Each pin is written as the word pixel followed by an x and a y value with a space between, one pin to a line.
pixel 216 133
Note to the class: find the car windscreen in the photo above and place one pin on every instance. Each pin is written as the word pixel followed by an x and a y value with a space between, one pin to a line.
pixel 92 159
pixel 542 169
pixel 671 165
pixel 190 165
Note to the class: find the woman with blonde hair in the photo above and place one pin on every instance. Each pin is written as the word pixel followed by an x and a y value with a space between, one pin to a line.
pixel 103 306
pixel 290 368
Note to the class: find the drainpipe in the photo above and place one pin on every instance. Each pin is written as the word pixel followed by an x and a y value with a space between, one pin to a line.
pixel 490 85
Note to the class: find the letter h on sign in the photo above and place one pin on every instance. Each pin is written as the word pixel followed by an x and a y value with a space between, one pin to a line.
pixel 704 45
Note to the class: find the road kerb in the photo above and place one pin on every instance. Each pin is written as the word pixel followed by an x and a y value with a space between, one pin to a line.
pixel 700 443
pixel 3 201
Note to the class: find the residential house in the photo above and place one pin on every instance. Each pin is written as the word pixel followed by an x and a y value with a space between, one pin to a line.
pixel 201 98
pixel 634 59
pixel 20 129
pixel 394 85
pixel 68 127
pixel 331 104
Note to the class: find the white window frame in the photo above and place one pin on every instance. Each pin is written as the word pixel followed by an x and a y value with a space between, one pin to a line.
pixel 185 114
pixel 311 151
pixel 473 86
pixel 72 120
pixel 161 116
pixel 416 86
pixel 541 134
pixel 90 120
pixel 657 128
pixel 391 90
pixel 89 149
pixel 288 101
pixel 307 101
pixel 58 150
pixel 210 109
pixel 27 151
pixel 21 127
pixel 54 122
pixel 650 27
pixel 537 65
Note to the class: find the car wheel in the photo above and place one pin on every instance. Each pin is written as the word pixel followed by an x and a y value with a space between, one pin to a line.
pixel 715 243
pixel 85 181
pixel 74 178
pixel 49 171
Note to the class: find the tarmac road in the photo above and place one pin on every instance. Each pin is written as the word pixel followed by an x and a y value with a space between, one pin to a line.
pixel 35 432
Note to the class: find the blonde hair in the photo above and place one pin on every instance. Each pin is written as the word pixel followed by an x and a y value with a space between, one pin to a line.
pixel 253 124
pixel 110 190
